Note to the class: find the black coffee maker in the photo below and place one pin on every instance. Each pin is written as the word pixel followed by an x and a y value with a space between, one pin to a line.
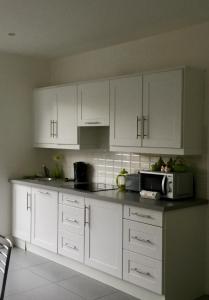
pixel 80 172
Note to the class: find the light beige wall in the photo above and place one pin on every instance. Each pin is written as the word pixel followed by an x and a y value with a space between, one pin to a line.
pixel 18 76
pixel 189 46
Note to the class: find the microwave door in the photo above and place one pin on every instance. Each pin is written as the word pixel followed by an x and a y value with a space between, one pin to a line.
pixel 154 183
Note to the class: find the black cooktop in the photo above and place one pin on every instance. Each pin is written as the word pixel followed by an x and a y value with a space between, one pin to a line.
pixel 90 187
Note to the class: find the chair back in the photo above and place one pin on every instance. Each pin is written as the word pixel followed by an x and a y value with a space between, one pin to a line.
pixel 5 253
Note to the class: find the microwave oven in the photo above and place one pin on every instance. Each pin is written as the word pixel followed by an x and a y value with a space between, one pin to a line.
pixel 169 185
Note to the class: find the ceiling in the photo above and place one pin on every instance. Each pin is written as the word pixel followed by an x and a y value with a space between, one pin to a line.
pixel 54 28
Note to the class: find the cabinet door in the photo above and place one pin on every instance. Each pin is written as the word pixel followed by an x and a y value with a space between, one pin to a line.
pixel 103 236
pixel 125 111
pixel 21 221
pixel 44 218
pixel 93 104
pixel 162 109
pixel 66 128
pixel 45 114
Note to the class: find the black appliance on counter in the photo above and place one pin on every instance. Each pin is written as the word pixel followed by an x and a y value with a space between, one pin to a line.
pixel 80 172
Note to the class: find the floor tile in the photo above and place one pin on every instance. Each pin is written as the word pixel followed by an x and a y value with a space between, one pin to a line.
pixel 118 296
pixel 87 288
pixel 23 280
pixel 23 259
pixel 49 292
pixel 53 272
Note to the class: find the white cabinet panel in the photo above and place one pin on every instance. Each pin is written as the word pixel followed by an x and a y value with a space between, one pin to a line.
pixel 71 219
pixel 66 126
pixel 125 111
pixel 143 271
pixel 55 117
pixel 143 239
pixel 71 245
pixel 44 218
pixel 143 215
pixel 21 209
pixel 45 113
pixel 93 103
pixel 162 109
pixel 103 236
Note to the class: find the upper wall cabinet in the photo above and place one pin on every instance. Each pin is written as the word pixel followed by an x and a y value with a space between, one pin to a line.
pixel 166 118
pixel 55 117
pixel 125 111
pixel 93 103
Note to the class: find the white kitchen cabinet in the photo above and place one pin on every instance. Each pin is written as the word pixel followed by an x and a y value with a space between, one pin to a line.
pixel 103 236
pixel 162 109
pixel 45 114
pixel 21 211
pixel 126 111
pixel 93 103
pixel 166 118
pixel 55 117
pixel 44 218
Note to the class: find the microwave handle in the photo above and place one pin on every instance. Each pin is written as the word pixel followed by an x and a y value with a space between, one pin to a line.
pixel 163 184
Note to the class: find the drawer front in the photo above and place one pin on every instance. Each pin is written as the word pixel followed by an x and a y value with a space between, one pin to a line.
pixel 144 215
pixel 71 219
pixel 71 200
pixel 142 238
pixel 71 245
pixel 142 271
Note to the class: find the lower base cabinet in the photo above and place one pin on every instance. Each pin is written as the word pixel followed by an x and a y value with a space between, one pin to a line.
pixel 103 236
pixel 44 218
pixel 160 252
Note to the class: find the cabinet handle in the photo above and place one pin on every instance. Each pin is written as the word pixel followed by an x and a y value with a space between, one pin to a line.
pixel 143 120
pixel 141 215
pixel 51 130
pixel 70 220
pixel 72 201
pixel 141 272
pixel 45 193
pixel 28 206
pixel 55 129
pixel 93 123
pixel 137 126
pixel 87 215
pixel 141 240
pixel 71 247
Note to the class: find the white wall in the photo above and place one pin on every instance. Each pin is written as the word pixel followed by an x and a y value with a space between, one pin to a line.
pixel 189 46
pixel 18 76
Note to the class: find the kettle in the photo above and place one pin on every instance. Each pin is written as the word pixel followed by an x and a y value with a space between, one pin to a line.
pixel 121 179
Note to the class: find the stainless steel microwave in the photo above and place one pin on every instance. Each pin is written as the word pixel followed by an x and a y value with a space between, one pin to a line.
pixel 169 185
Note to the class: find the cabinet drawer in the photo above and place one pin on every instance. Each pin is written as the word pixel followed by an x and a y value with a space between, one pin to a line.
pixel 71 219
pixel 72 200
pixel 143 215
pixel 71 245
pixel 142 238
pixel 142 271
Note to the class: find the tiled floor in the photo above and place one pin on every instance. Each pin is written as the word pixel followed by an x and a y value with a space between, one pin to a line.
pixel 32 277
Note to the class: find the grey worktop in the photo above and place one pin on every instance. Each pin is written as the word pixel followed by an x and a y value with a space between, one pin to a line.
pixel 130 198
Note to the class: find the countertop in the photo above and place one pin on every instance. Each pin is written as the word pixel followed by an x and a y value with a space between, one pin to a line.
pixel 128 198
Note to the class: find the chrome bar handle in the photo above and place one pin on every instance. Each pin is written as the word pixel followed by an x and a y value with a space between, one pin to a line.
pixel 87 215
pixel 51 133
pixel 55 129
pixel 45 193
pixel 71 247
pixel 28 206
pixel 70 220
pixel 144 119
pixel 93 123
pixel 137 127
pixel 141 240
pixel 141 215
pixel 141 272
pixel 72 201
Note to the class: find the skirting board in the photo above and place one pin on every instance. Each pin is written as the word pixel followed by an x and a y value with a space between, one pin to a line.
pixel 116 283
